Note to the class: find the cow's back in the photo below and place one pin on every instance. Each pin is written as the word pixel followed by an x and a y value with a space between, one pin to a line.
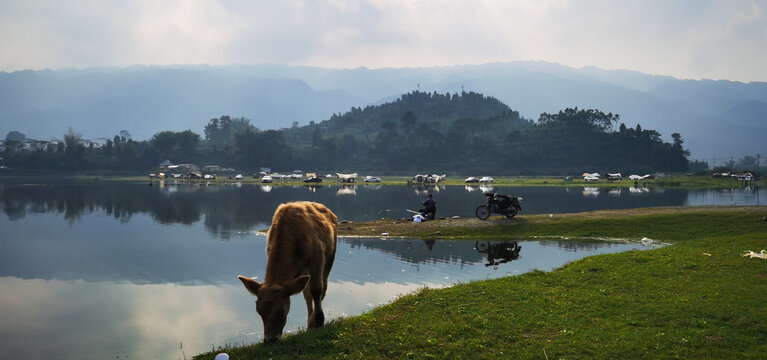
pixel 301 233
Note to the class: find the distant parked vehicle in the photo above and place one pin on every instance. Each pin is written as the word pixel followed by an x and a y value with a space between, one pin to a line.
pixel 486 180
pixel 373 179
pixel 471 180
pixel 266 179
pixel 313 179
pixel 591 179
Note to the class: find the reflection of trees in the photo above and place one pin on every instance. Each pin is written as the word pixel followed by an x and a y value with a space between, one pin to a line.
pixel 420 252
pixel 224 208
pixel 228 208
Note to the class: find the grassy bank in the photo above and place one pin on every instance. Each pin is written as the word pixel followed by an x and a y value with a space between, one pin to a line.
pixel 676 181
pixel 696 299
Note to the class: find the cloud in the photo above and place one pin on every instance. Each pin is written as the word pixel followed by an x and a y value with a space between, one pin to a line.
pixel 686 38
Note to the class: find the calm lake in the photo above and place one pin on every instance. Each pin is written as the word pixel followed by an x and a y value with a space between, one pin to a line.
pixel 97 270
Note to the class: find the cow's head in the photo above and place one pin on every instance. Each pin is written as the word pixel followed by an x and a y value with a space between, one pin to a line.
pixel 273 303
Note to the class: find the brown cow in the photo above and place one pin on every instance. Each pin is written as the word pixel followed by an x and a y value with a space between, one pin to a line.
pixel 300 249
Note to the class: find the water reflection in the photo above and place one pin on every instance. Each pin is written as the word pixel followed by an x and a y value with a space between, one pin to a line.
pixel 486 188
pixel 230 209
pixel 423 190
pixel 56 319
pixel 143 308
pixel 498 252
pixel 347 190
pixel 590 191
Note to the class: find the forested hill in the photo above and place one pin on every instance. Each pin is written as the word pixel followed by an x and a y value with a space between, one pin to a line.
pixel 416 114
pixel 470 132
pixel 467 133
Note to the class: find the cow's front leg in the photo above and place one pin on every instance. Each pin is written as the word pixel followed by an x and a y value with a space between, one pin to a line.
pixel 316 317
pixel 309 301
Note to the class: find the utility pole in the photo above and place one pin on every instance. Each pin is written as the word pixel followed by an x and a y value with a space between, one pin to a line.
pixel 758 156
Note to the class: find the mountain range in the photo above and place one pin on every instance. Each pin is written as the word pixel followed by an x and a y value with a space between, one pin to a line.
pixel 717 119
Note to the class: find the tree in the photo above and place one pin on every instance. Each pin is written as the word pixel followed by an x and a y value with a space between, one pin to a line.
pixel 746 163
pixel 387 144
pixel 180 146
pixel 186 144
pixel 258 148
pixel 579 118
pixel 408 120
pixel 677 145
pixel 162 143
pixel 220 131
pixel 74 150
pixel 15 135
pixel 72 140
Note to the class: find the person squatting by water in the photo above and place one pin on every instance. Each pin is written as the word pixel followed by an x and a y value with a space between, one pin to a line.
pixel 429 207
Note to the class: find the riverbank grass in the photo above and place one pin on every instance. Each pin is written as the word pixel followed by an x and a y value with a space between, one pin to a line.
pixel 673 181
pixel 699 298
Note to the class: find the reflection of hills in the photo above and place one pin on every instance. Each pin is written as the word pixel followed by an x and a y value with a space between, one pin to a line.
pixel 223 208
pixel 417 251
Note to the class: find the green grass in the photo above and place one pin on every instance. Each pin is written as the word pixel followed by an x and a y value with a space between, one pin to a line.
pixel 671 302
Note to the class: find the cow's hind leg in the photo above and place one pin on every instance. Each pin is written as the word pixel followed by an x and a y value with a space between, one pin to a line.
pixel 328 266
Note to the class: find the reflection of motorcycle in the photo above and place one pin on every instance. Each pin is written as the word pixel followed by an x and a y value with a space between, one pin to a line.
pixel 505 251
pixel 500 204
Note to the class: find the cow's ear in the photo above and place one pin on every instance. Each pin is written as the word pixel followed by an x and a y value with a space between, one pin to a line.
pixel 296 285
pixel 250 284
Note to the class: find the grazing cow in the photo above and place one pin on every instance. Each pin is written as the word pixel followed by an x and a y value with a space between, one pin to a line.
pixel 300 249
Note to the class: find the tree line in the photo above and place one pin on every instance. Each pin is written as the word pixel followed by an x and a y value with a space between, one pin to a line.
pixel 418 132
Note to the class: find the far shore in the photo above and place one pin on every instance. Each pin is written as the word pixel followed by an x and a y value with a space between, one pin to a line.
pixel 669 181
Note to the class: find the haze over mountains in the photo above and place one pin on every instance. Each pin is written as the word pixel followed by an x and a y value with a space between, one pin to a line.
pixel 716 118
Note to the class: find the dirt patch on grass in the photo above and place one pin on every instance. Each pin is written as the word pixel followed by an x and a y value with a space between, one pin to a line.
pixel 402 227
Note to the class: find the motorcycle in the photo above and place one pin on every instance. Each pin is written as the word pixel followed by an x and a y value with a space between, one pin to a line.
pixel 505 205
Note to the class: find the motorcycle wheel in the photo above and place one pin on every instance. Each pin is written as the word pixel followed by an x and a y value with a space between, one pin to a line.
pixel 511 212
pixel 482 212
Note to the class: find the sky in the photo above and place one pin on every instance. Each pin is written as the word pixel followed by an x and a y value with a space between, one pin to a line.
pixel 687 39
